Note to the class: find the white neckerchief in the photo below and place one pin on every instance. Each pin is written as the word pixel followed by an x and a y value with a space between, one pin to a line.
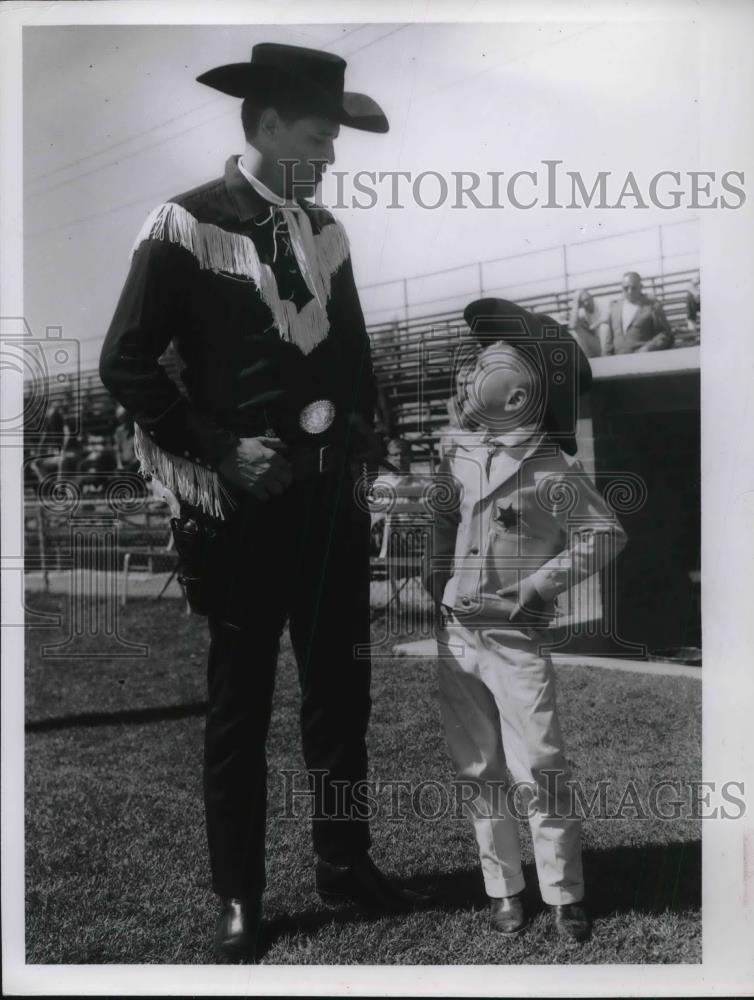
pixel 300 231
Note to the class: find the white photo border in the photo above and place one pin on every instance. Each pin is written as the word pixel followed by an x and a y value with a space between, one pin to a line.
pixel 727 352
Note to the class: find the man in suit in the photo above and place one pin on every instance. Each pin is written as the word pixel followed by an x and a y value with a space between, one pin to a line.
pixel 257 420
pixel 636 322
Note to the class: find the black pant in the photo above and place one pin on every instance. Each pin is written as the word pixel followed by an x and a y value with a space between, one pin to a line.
pixel 304 557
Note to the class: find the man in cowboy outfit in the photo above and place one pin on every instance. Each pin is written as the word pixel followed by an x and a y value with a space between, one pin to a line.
pixel 239 347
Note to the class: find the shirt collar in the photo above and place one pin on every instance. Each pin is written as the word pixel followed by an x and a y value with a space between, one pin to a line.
pixel 515 439
pixel 522 438
pixel 264 192
pixel 249 195
pixel 246 200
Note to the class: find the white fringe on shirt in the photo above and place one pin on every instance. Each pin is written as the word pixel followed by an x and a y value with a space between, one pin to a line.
pixel 183 478
pixel 215 249
pixel 218 250
pixel 174 474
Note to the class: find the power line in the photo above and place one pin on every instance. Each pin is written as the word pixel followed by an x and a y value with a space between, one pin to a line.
pixel 128 156
pixel 401 27
pixel 340 38
pixel 70 180
pixel 155 128
pixel 116 208
pixel 548 248
pixel 524 55
pixel 123 142
pixel 94 215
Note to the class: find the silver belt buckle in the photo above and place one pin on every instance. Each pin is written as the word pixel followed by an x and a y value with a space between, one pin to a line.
pixel 322 456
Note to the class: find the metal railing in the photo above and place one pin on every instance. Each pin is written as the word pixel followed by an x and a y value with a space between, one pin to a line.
pixel 414 360
pixel 413 349
pixel 559 269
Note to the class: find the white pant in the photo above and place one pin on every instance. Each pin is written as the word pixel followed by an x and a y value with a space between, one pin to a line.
pixel 497 696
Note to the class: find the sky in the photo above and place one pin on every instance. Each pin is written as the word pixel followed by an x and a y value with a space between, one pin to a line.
pixel 115 123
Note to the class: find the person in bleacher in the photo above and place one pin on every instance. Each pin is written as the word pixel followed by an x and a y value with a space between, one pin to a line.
pixel 636 322
pixel 123 436
pixel 589 321
pixel 99 457
pixel 53 444
pixel 384 419
pixel 693 306
pixel 399 456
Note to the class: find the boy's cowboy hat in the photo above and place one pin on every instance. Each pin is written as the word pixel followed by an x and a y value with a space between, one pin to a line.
pixel 307 76
pixel 563 368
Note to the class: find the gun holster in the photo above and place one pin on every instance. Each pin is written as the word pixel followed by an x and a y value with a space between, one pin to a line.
pixel 197 543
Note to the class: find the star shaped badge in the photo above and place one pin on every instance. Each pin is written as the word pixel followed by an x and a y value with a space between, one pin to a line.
pixel 507 516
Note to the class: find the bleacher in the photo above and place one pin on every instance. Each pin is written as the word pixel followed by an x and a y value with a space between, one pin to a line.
pixel 414 359
pixel 414 363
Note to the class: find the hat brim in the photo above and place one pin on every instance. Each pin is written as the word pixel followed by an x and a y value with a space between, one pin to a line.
pixel 493 320
pixel 247 80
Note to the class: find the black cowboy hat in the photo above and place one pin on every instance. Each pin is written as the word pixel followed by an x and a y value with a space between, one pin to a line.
pixel 307 76
pixel 563 368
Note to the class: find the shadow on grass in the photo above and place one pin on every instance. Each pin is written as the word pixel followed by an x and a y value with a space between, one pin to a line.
pixel 656 878
pixel 159 713
pixel 649 879
pixel 310 921
pixel 653 878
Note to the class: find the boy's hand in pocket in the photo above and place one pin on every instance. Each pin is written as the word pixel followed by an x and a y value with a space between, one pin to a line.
pixel 530 605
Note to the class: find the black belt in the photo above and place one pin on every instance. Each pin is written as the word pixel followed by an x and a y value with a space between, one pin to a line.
pixel 307 462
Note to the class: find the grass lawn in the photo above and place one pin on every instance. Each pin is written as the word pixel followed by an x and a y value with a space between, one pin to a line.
pixel 116 862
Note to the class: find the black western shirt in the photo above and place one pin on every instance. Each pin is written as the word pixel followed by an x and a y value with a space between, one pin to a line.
pixel 205 344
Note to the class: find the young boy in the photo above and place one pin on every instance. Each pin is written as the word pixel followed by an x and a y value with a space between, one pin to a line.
pixel 524 525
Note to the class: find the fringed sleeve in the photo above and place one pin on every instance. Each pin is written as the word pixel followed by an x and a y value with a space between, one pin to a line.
pixel 175 443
